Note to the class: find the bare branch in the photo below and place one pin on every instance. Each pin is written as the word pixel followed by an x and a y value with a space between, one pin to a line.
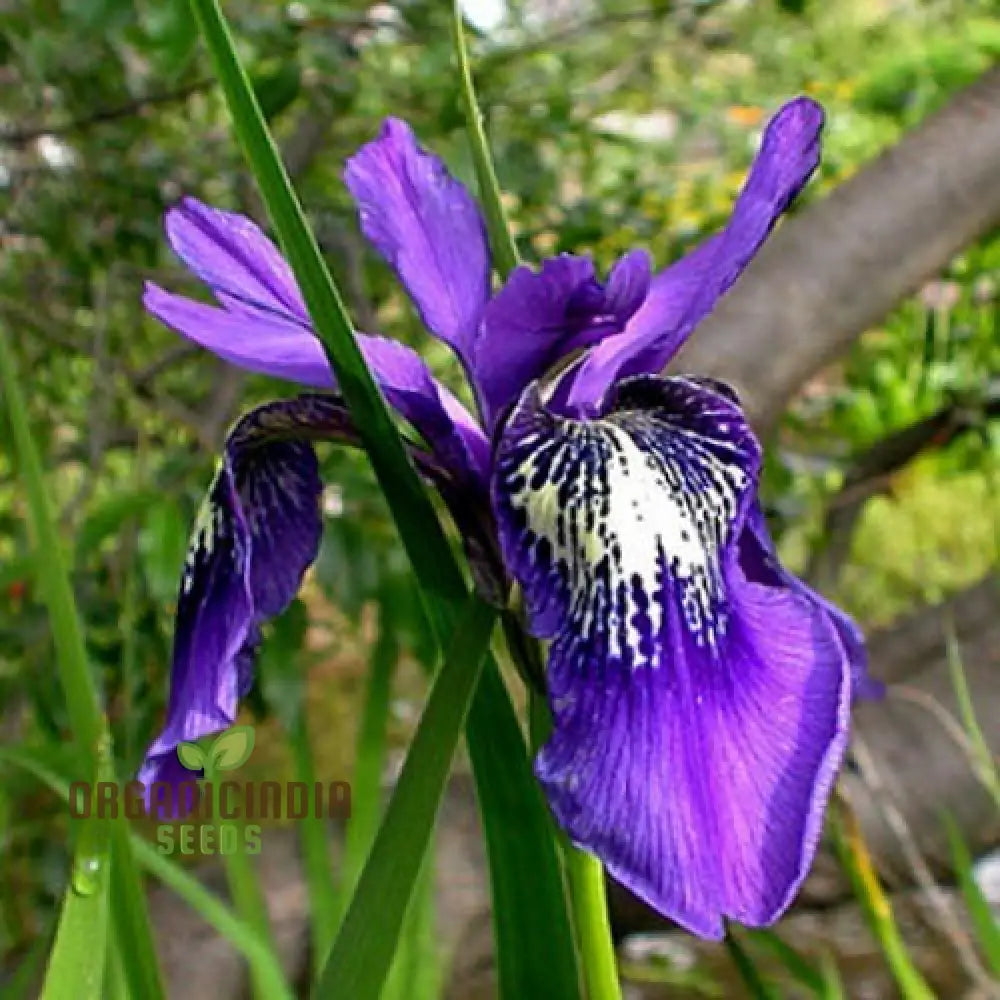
pixel 137 106
pixel 872 471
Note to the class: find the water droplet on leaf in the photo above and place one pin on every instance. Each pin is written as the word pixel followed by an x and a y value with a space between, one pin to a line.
pixel 86 876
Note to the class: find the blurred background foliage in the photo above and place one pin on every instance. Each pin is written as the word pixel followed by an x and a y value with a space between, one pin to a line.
pixel 613 124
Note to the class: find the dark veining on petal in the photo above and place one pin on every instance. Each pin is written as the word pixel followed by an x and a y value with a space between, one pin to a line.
pixel 585 494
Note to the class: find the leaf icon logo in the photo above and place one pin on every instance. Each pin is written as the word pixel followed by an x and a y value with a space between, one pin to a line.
pixel 232 748
pixel 191 756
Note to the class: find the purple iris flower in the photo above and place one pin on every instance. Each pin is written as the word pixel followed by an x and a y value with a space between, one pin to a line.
pixel 700 693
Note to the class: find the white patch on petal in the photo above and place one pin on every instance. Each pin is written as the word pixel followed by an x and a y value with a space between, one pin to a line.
pixel 207 525
pixel 626 508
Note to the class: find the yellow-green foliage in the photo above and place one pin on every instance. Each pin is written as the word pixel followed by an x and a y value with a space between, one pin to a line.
pixel 928 538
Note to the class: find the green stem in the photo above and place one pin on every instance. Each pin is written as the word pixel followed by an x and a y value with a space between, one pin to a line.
pixel 584 874
pixel 505 255
pixel 313 835
pixel 585 877
pixel 128 899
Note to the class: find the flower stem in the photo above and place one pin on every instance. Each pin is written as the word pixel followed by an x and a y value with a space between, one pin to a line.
pixel 584 880
pixel 504 249
pixel 585 877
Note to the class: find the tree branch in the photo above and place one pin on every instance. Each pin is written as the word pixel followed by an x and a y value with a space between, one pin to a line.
pixel 21 137
pixel 872 471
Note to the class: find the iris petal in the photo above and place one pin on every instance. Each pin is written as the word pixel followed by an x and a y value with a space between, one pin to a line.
pixel 428 227
pixel 256 534
pixel 269 345
pixel 699 717
pixel 254 334
pixel 540 316
pixel 524 324
pixel 628 284
pixel 684 294
pixel 234 258
pixel 759 561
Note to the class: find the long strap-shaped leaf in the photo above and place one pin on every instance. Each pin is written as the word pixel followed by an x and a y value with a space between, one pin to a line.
pixel 131 917
pixel 203 901
pixel 530 947
pixel 362 953
pixel 79 954
pixel 547 967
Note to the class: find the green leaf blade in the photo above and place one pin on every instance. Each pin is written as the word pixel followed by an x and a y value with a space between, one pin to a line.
pixel 984 924
pixel 504 249
pixel 797 966
pixel 79 955
pixel 362 953
pixel 535 942
pixel 757 986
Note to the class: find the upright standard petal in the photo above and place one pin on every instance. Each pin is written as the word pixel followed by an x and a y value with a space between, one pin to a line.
pixel 263 327
pixel 699 717
pixel 428 227
pixel 235 259
pixel 684 294
pixel 256 534
pixel 539 317
pixel 268 345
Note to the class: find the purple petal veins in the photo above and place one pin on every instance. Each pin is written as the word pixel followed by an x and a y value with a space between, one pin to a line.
pixel 263 327
pixel 699 717
pixel 428 227
pixel 539 317
pixel 256 534
pixel 759 561
pixel 235 259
